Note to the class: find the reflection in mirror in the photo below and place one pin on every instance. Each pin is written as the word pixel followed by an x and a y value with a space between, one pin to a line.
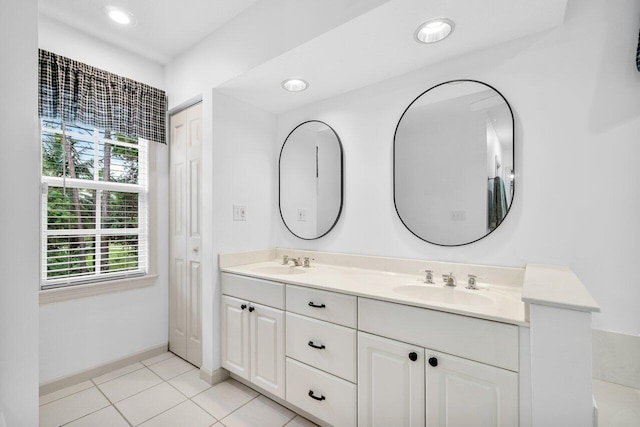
pixel 454 163
pixel 311 180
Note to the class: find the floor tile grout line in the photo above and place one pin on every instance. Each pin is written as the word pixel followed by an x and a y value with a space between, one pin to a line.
pixel 119 376
pixel 241 406
pixel 114 407
pixel 135 394
pixel 90 413
pixel 68 395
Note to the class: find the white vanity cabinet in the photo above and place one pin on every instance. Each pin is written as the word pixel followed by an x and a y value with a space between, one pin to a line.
pixel 253 333
pixel 459 392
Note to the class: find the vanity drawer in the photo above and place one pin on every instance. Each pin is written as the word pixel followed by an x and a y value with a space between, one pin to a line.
pixel 338 308
pixel 254 290
pixel 339 405
pixel 485 341
pixel 338 356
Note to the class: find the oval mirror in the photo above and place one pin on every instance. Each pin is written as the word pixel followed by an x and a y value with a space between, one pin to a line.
pixel 310 176
pixel 454 163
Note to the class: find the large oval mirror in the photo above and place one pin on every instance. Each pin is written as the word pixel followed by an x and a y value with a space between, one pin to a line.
pixel 311 180
pixel 454 163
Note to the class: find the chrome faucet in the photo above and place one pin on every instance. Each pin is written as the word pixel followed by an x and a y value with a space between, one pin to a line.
pixel 307 262
pixel 449 279
pixel 472 282
pixel 428 277
pixel 287 258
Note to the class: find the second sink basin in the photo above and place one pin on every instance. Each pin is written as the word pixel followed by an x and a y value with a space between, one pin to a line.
pixel 278 269
pixel 444 295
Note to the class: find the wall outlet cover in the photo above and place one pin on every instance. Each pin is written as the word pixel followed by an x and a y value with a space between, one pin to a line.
pixel 302 215
pixel 239 213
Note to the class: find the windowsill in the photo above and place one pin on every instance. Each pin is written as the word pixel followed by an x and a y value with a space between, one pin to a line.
pixel 93 289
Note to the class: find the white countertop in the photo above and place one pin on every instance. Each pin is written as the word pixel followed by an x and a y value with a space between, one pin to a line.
pixel 556 286
pixel 502 303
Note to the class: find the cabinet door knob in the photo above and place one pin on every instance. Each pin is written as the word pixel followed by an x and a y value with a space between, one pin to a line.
pixel 433 361
pixel 311 304
pixel 251 308
pixel 319 347
pixel 311 395
pixel 413 356
pixel 243 306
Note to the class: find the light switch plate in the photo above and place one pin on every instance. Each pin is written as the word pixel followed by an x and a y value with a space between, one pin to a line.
pixel 302 215
pixel 239 213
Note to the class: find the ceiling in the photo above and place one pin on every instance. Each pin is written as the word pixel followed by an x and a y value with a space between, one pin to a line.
pixel 370 46
pixel 379 44
pixel 164 28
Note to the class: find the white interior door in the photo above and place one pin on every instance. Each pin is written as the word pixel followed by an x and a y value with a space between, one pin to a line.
pixel 185 199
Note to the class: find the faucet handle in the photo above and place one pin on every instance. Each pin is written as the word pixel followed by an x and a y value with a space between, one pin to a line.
pixel 428 277
pixel 285 259
pixel 472 281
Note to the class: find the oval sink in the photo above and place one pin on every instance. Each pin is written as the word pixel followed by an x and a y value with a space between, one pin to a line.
pixel 275 269
pixel 447 296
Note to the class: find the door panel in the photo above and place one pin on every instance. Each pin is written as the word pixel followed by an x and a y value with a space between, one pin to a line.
pixel 185 338
pixel 267 348
pixel 390 384
pixel 235 336
pixel 464 393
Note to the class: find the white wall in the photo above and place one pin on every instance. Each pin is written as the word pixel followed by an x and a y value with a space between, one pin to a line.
pixel 19 207
pixel 575 93
pixel 83 333
pixel 58 38
pixel 239 159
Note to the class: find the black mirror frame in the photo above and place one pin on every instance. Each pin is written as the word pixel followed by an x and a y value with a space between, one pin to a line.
pixel 513 130
pixel 341 180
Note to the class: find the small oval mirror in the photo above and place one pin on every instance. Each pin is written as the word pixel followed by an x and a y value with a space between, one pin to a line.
pixel 310 177
pixel 454 163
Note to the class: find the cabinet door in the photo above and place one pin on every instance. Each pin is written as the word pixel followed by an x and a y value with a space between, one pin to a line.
pixel 235 336
pixel 463 393
pixel 267 348
pixel 390 382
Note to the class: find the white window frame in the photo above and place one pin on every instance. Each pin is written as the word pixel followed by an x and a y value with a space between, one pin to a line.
pixel 74 287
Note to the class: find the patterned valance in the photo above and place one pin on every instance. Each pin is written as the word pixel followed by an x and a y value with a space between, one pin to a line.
pixel 78 93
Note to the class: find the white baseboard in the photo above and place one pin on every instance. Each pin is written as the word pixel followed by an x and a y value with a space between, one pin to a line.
pixel 616 358
pixel 215 377
pixel 87 374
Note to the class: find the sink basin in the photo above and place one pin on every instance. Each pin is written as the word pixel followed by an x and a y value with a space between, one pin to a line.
pixel 278 269
pixel 444 295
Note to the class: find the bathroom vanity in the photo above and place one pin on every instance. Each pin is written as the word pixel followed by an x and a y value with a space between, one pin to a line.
pixel 358 340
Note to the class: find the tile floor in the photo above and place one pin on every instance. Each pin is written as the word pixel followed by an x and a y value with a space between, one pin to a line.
pixel 164 391
pixel 618 406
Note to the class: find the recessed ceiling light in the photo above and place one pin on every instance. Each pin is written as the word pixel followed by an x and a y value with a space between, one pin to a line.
pixel 434 30
pixel 120 16
pixel 295 85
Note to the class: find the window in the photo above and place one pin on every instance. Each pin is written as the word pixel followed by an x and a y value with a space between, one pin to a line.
pixel 94 205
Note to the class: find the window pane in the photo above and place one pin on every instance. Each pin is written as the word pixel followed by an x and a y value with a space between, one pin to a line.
pixel 119 209
pixel 71 208
pixel 70 256
pixel 118 163
pixel 71 157
pixel 119 253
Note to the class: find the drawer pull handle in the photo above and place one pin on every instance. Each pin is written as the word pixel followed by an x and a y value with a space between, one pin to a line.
pixel 319 347
pixel 243 306
pixel 311 395
pixel 413 356
pixel 311 304
pixel 433 361
pixel 251 308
